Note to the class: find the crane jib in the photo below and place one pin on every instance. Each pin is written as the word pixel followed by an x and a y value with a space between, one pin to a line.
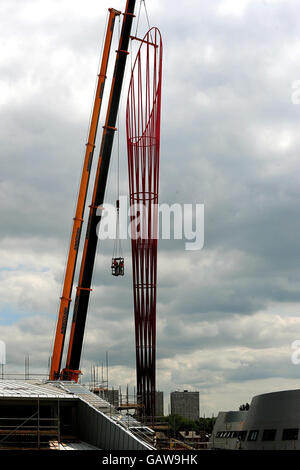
pixel 89 252
pixel 78 219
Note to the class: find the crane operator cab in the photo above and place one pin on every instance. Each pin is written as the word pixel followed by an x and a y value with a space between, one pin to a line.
pixel 117 267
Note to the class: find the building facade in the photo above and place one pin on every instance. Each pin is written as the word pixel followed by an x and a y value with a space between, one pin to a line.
pixel 71 417
pixel 159 403
pixel 272 423
pixel 228 432
pixel 112 396
pixel 186 404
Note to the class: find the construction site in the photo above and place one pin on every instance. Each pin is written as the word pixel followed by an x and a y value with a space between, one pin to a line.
pixel 57 412
pixel 123 326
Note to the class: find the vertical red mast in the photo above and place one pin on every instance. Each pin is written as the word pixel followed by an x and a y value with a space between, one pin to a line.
pixel 143 145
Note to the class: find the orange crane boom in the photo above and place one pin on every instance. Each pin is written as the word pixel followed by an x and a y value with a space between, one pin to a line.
pixel 65 299
pixel 72 369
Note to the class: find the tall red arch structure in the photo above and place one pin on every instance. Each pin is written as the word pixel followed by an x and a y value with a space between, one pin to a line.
pixel 143 145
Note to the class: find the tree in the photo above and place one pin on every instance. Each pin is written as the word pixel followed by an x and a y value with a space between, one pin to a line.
pixel 178 423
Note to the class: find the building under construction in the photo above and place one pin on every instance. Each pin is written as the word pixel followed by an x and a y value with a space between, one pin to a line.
pixel 64 416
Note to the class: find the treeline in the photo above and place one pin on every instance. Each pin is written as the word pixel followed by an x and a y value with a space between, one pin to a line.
pixel 179 423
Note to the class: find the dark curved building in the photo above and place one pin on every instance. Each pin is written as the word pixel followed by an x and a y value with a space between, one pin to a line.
pixel 272 423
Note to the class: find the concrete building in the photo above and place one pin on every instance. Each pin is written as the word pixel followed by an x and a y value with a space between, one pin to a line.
pixel 272 423
pixel 110 395
pixel 185 404
pixel 159 403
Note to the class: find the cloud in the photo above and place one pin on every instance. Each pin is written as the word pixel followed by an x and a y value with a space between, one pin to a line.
pixel 226 315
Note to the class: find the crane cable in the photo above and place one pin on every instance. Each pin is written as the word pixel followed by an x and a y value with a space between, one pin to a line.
pixel 117 251
pixel 138 17
pixel 147 16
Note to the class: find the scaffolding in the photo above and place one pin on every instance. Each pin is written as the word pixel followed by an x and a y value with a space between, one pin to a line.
pixel 31 432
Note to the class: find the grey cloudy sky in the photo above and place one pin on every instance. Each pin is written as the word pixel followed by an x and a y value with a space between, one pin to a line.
pixel 227 314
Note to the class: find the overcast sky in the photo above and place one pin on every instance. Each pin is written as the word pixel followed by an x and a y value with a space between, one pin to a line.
pixel 226 315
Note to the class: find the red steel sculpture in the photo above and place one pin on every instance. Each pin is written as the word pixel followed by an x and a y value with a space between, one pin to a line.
pixel 143 144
